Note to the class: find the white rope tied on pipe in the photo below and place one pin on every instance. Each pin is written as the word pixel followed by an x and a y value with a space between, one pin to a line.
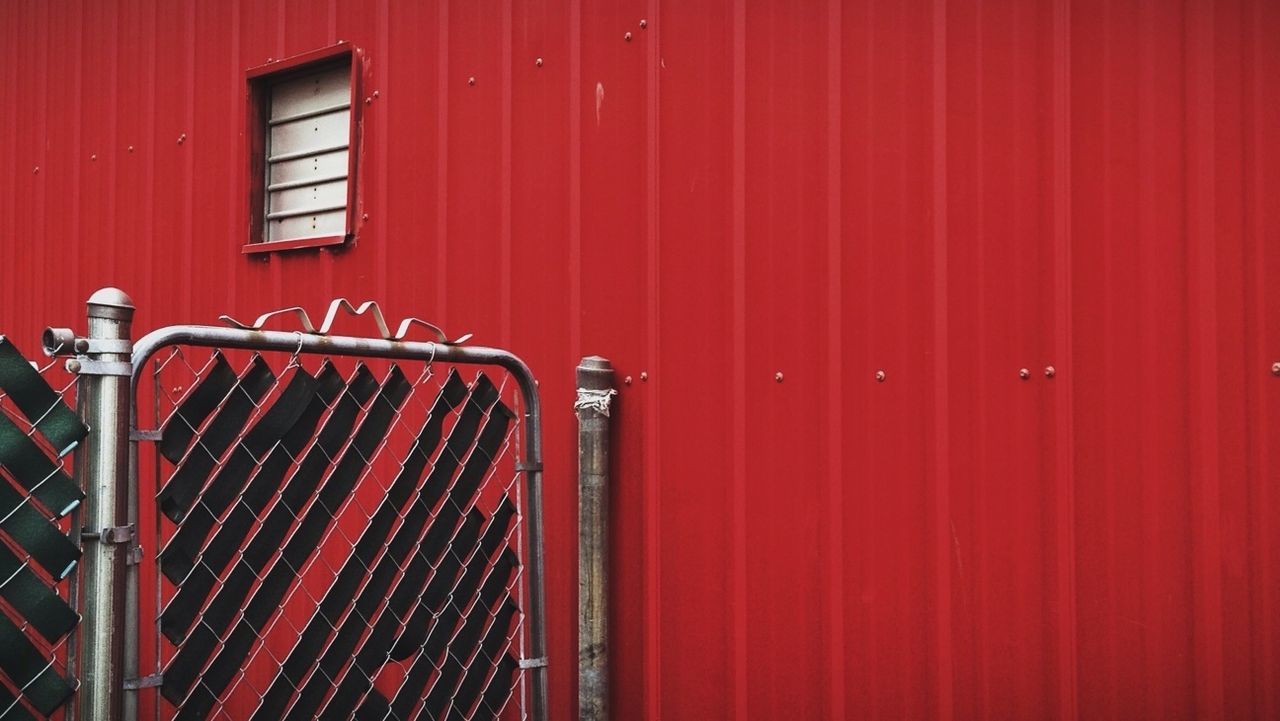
pixel 597 401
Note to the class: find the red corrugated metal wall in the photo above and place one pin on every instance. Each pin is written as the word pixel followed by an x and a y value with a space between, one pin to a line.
pixel 948 190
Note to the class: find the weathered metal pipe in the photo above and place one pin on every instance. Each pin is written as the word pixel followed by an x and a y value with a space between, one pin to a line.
pixel 595 390
pixel 106 537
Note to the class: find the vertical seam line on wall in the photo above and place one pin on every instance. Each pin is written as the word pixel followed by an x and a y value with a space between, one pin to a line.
pixel 9 181
pixel 188 165
pixel 738 600
pixel 442 162
pixel 239 147
pixel 41 81
pixel 835 380
pixel 941 430
pixel 653 456
pixel 1265 706
pixel 1206 532
pixel 504 271
pixel 381 115
pixel 76 144
pixel 112 122
pixel 1065 416
pixel 575 178
pixel 147 129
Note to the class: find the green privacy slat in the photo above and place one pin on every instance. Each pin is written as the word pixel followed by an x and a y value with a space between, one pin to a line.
pixel 229 481
pixel 38 402
pixel 10 709
pixel 195 408
pixel 33 600
pixel 342 592
pixel 33 672
pixel 35 533
pixel 184 485
pixel 499 689
pixel 32 469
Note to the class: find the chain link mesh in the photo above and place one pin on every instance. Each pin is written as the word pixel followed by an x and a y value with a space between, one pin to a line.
pixel 39 501
pixel 336 538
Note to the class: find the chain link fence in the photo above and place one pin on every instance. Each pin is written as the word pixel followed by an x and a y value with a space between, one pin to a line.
pixel 38 554
pixel 338 538
pixel 277 526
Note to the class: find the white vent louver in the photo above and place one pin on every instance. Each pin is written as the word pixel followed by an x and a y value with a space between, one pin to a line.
pixel 308 133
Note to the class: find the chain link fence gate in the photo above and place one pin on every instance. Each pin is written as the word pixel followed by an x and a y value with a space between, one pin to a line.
pixel 342 527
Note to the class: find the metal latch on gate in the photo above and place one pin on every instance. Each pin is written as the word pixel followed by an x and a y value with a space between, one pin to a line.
pixel 144 434
pixel 152 681
pixel 110 534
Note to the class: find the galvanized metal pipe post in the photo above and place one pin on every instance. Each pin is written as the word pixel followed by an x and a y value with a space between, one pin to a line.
pixel 103 364
pixel 595 390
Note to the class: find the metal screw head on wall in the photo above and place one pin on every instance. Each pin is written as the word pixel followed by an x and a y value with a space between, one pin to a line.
pixel 471 80
pixel 778 376
pixel 538 62
pixel 627 380
pixel 880 376
pixel 627 37
pixel 1050 371
pixel 644 24
pixel 1275 369
pixel 644 375
pixel 182 139
pixel 1023 373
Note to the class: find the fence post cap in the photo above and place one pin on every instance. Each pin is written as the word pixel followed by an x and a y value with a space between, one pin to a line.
pixel 110 303
pixel 595 362
pixel 594 373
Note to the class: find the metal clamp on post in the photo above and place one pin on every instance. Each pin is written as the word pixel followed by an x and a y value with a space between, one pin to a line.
pixel 144 434
pixel 80 365
pixel 111 534
pixel 533 662
pixel 152 681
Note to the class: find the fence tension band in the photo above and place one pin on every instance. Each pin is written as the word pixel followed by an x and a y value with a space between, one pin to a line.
pixel 110 534
pixel 533 662
pixel 522 467
pixel 85 367
pixel 104 345
pixel 152 681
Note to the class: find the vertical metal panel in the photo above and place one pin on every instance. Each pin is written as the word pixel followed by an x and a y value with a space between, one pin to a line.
pixel 948 191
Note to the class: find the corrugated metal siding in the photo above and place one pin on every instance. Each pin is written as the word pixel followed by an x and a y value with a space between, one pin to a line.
pixel 949 191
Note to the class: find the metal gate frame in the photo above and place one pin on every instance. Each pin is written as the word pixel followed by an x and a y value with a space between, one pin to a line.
pixel 110 370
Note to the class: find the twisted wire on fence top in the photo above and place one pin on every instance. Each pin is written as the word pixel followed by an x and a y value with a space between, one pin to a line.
pixel 370 307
